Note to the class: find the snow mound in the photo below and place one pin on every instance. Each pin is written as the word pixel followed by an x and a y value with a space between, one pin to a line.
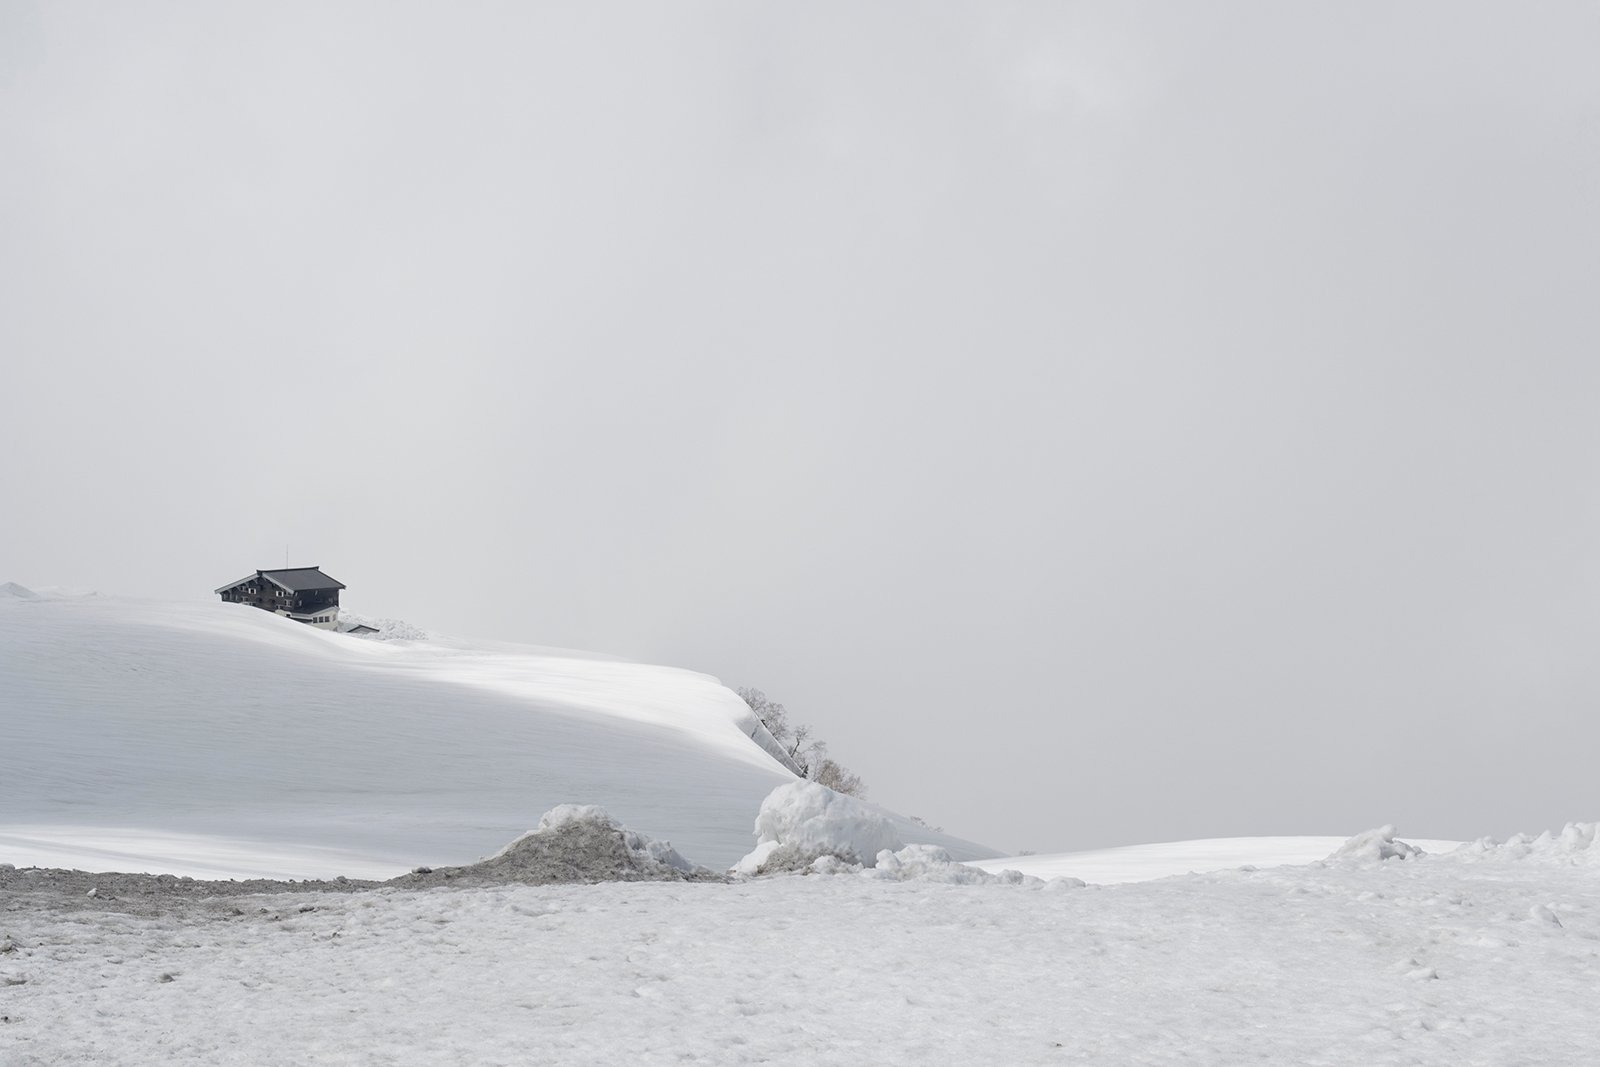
pixel 13 591
pixel 1375 846
pixel 801 822
pixel 573 843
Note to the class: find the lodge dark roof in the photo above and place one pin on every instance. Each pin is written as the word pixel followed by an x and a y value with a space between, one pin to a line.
pixel 303 579
pixel 294 579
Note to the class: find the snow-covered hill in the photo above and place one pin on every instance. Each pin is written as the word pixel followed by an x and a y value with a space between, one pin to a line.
pixel 215 740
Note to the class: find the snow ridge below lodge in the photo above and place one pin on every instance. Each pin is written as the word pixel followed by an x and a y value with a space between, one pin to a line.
pixel 212 740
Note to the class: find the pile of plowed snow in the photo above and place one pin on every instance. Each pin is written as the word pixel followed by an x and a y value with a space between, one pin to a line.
pixel 573 843
pixel 802 821
pixel 808 828
pixel 1374 846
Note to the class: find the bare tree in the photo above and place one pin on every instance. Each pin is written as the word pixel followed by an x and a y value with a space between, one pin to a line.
pixel 772 714
pixel 811 756
pixel 800 744
pixel 840 780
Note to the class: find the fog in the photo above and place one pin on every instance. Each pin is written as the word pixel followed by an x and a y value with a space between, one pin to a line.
pixel 1103 422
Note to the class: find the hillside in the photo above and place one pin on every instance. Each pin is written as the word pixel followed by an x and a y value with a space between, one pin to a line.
pixel 213 740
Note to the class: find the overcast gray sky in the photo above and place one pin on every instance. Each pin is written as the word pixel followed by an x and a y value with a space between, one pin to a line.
pixel 1105 422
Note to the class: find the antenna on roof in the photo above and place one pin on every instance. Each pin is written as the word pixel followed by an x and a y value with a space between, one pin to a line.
pixel 285 557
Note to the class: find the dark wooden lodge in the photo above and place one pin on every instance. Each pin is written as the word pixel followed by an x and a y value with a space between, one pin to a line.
pixel 304 594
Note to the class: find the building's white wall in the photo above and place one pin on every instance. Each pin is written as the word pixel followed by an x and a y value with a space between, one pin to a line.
pixel 331 614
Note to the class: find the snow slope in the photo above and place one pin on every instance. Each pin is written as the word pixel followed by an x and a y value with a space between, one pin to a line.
pixel 213 740
pixel 1487 955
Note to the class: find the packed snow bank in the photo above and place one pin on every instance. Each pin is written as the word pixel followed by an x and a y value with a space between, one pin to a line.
pixel 1374 846
pixel 573 843
pixel 17 592
pixel 802 821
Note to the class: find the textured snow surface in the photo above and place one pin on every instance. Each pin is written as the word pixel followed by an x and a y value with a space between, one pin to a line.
pixel 214 740
pixel 1487 956
pixel 930 863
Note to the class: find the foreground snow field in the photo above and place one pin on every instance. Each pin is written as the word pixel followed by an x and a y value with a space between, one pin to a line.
pixel 1481 956
pixel 214 740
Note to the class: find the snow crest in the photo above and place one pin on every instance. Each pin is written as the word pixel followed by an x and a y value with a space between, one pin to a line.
pixel 800 822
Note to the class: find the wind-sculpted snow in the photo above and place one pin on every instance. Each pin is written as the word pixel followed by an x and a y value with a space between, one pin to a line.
pixel 1486 957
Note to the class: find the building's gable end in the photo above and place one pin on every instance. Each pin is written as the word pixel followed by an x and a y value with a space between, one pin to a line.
pixel 246 580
